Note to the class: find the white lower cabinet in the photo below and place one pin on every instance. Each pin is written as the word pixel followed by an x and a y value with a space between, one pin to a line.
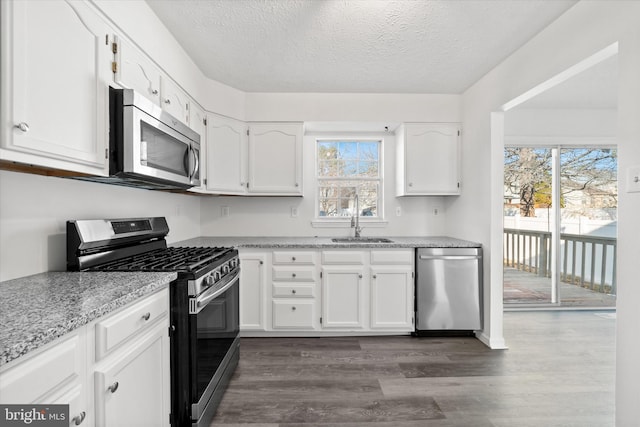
pixel 55 374
pixel 253 283
pixel 293 290
pixel 391 297
pixel 333 291
pixel 116 378
pixel 342 297
pixel 130 387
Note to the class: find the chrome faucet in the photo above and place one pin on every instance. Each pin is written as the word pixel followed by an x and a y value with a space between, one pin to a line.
pixel 355 223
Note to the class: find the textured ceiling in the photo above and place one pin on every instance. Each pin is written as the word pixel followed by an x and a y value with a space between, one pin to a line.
pixel 378 46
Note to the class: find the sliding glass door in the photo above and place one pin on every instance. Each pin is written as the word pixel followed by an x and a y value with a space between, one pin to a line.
pixel 560 212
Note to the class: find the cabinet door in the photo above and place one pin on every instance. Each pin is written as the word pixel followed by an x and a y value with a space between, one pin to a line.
pixel 252 291
pixel 392 298
pixel 132 389
pixel 174 100
pixel 134 70
pixel 54 102
pixel 432 159
pixel 342 297
pixel 226 156
pixel 275 158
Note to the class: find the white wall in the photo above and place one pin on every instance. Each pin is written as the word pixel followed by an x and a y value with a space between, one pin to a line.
pixel 585 29
pixel 34 210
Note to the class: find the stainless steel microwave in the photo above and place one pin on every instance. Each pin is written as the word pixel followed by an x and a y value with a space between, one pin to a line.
pixel 148 147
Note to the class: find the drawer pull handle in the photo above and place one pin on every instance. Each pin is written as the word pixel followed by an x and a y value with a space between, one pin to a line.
pixel 146 316
pixel 113 387
pixel 293 308
pixel 293 291
pixel 293 258
pixel 78 419
pixel 293 274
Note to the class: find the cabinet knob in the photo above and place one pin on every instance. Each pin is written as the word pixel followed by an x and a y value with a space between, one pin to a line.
pixel 261 262
pixel 78 419
pixel 154 91
pixel 293 258
pixel 293 308
pixel 360 276
pixel 167 101
pixel 146 316
pixel 113 387
pixel 297 185
pixel 374 276
pixel 411 184
pixel 293 274
pixel 24 127
pixel 293 291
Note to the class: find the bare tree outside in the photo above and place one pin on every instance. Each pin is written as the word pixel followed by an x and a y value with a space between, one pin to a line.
pixel 588 179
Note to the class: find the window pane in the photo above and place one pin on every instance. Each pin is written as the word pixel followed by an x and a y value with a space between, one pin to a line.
pixel 359 162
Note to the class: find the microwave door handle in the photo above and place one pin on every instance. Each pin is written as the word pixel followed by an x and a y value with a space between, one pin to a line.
pixel 196 163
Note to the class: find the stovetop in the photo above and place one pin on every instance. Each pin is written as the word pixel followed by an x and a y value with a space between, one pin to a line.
pixel 172 259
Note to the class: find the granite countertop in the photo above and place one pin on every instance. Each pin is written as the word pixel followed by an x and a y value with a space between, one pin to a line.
pixel 36 310
pixel 326 242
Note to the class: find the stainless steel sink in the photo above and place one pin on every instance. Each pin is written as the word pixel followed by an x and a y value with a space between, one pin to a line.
pixel 361 240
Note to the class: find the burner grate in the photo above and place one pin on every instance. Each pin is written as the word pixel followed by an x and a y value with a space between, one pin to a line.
pixel 180 259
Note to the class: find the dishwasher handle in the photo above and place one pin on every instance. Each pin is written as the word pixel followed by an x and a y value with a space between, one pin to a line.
pixel 451 257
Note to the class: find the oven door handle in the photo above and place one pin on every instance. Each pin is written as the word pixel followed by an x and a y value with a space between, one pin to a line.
pixel 201 301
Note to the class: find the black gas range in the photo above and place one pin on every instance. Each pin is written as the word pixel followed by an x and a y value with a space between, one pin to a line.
pixel 204 303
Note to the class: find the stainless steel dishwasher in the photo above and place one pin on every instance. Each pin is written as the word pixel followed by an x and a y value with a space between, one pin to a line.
pixel 448 291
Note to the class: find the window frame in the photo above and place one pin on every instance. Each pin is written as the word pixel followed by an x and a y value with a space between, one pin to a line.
pixel 346 220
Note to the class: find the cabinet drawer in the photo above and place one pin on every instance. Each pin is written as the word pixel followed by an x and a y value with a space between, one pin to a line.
pixel 293 314
pixel 43 373
pixel 401 256
pixel 297 290
pixel 343 257
pixel 119 327
pixel 304 274
pixel 294 257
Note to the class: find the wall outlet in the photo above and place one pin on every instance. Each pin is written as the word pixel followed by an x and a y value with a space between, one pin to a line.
pixel 398 211
pixel 294 212
pixel 224 211
pixel 633 179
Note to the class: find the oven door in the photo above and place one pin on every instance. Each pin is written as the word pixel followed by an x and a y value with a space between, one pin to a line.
pixel 214 327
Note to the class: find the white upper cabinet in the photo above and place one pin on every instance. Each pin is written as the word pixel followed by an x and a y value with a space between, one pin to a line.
pixel 226 156
pixel 275 158
pixel 134 70
pixel 174 100
pixel 428 159
pixel 56 58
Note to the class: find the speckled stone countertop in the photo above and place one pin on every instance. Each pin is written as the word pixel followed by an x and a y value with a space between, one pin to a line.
pixel 36 310
pixel 326 242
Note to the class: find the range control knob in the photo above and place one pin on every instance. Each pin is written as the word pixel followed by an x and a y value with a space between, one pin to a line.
pixel 217 275
pixel 209 280
pixel 233 263
pixel 226 268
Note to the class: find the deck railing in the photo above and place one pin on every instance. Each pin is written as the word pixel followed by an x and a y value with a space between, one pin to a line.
pixel 587 261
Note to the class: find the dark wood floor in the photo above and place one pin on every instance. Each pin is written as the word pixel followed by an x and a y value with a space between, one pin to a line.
pixel 558 371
